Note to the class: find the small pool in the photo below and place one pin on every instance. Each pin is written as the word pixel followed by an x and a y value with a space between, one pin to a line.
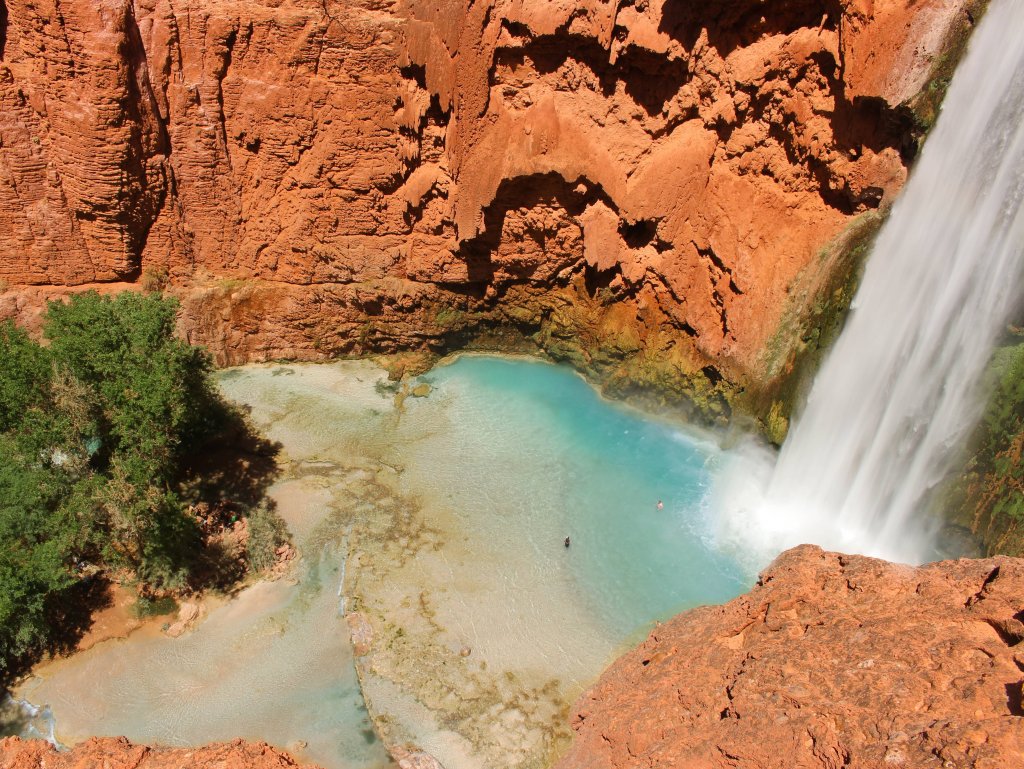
pixel 438 521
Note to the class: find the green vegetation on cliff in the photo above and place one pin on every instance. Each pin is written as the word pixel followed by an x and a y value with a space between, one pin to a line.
pixel 989 497
pixel 925 105
pixel 812 320
pixel 97 429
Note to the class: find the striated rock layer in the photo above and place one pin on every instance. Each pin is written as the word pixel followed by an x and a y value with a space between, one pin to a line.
pixel 118 753
pixel 831 661
pixel 635 185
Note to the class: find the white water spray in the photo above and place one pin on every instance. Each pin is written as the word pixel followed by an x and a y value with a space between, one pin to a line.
pixel 898 393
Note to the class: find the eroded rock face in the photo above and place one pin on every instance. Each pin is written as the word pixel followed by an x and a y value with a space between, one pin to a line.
pixel 315 178
pixel 831 661
pixel 119 753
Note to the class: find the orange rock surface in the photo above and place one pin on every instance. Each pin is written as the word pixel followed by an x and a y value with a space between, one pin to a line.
pixel 316 177
pixel 831 661
pixel 118 753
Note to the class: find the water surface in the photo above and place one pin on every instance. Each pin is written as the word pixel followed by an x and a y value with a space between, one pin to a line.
pixel 438 524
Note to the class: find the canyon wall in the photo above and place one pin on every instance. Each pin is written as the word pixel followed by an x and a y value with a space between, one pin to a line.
pixel 831 661
pixel 646 188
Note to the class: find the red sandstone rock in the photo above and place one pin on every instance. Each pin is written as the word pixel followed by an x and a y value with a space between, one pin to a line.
pixel 831 661
pixel 319 177
pixel 119 753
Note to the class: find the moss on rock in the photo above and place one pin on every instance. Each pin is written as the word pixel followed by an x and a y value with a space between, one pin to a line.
pixel 987 496
pixel 819 301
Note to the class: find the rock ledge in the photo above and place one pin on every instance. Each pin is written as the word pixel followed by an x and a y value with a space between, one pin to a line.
pixel 119 753
pixel 830 661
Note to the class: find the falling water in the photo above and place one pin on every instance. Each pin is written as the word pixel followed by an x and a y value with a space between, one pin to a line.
pixel 898 393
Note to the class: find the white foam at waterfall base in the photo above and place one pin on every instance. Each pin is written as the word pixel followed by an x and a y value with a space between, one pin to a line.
pixel 897 395
pixel 21 718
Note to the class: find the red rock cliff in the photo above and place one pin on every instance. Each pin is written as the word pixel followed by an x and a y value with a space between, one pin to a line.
pixel 831 661
pixel 316 177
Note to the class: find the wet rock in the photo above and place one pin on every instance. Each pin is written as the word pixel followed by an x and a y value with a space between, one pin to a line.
pixel 413 758
pixel 188 615
pixel 362 632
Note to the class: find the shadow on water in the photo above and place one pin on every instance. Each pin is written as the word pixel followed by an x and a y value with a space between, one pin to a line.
pixel 19 718
pixel 236 465
pixel 227 477
pixel 13 718
pixel 69 614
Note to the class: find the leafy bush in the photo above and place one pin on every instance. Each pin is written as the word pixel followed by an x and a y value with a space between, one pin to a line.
pixel 154 607
pixel 95 431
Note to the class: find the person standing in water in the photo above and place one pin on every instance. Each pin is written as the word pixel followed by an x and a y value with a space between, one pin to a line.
pixel 567 542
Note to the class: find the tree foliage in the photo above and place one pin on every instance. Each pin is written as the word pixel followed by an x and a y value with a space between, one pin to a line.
pixel 95 428
pixel 37 541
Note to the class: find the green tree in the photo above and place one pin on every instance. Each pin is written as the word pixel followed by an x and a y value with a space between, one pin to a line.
pixel 95 431
pixel 24 375
pixel 38 537
pixel 153 389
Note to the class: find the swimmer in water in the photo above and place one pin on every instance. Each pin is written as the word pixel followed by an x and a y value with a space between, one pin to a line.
pixel 567 542
pixel 661 505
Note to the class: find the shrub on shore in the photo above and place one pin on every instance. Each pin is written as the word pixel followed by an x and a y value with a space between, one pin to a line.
pixel 267 532
pixel 98 428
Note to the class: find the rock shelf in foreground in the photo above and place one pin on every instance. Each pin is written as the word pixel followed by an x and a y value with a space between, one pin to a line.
pixel 830 661
pixel 119 753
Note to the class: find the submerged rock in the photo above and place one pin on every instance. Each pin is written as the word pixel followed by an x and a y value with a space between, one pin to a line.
pixel 832 660
pixel 413 758
pixel 362 633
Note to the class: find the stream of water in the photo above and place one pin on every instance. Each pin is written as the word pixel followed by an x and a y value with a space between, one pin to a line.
pixel 890 408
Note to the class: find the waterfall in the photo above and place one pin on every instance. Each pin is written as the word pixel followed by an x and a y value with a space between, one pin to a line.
pixel 898 393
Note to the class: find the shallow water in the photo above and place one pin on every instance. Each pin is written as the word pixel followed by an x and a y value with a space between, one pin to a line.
pixel 530 454
pixel 275 664
pixel 505 459
pixel 442 520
